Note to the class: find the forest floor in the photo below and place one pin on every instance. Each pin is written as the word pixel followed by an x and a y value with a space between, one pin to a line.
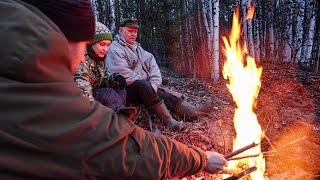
pixel 287 108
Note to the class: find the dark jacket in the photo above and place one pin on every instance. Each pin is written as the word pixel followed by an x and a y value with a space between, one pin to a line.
pixel 48 130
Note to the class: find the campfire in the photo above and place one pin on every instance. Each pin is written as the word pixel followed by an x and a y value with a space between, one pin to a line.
pixel 244 84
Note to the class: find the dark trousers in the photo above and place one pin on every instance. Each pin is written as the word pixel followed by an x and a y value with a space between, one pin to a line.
pixel 141 92
pixel 112 98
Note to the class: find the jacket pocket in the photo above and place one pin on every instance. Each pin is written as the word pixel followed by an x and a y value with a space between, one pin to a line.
pixel 132 62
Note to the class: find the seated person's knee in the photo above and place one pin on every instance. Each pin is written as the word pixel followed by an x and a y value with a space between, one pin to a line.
pixel 143 86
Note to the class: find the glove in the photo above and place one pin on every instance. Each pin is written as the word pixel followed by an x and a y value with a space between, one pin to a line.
pixel 215 162
pixel 121 81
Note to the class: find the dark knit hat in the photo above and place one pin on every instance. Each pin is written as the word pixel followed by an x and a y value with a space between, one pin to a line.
pixel 75 18
pixel 130 22
pixel 102 33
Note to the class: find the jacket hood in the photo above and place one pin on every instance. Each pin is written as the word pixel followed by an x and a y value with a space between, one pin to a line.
pixel 33 49
pixel 120 39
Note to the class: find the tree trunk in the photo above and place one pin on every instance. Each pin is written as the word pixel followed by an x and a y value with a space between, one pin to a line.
pixel 200 51
pixel 286 53
pixel 190 35
pixel 207 28
pixel 94 5
pixel 112 22
pixel 99 8
pixel 310 31
pixel 300 29
pixel 270 28
pixel 256 30
pixel 183 36
pixel 243 4
pixel 263 31
pixel 317 59
pixel 169 42
pixel 210 42
pixel 250 29
pixel 118 15
pixel 216 36
pixel 142 15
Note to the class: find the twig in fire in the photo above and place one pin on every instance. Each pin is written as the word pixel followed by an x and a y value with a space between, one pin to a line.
pixel 236 152
pixel 266 153
pixel 284 146
pixel 243 157
pixel 268 140
pixel 243 173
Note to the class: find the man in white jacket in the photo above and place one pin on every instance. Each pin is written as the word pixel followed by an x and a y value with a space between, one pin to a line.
pixel 143 77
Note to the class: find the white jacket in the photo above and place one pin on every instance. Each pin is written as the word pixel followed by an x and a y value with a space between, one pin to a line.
pixel 132 63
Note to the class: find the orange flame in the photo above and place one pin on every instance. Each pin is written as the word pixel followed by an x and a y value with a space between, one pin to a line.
pixel 244 85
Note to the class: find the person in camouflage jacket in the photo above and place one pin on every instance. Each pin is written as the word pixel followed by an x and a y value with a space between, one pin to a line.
pixel 92 76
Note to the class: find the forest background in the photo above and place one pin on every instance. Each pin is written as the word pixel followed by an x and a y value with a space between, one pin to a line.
pixel 185 35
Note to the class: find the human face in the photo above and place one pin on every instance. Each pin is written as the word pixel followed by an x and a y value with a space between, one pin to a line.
pixel 101 48
pixel 129 33
pixel 77 50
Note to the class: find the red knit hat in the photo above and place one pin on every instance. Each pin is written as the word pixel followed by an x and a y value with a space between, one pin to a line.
pixel 75 18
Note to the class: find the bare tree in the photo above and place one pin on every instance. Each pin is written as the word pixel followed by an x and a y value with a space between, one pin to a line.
pixel 216 37
pixel 309 21
pixel 299 27
pixel 256 33
pixel 250 8
pixel 112 17
pixel 270 29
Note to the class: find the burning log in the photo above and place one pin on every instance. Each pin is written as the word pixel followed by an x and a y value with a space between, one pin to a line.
pixel 230 171
pixel 243 157
pixel 236 152
pixel 243 173
pixel 266 153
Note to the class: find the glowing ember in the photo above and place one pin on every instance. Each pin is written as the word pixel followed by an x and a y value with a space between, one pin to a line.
pixel 244 85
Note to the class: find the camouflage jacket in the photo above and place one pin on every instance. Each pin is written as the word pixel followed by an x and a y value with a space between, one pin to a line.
pixel 91 75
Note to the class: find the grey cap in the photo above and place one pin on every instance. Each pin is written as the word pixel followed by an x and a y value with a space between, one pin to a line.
pixel 130 22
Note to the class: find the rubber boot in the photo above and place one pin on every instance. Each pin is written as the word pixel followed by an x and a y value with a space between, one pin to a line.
pixel 162 112
pixel 188 111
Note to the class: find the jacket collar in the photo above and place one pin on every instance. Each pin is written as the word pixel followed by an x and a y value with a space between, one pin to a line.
pixel 90 52
pixel 120 39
